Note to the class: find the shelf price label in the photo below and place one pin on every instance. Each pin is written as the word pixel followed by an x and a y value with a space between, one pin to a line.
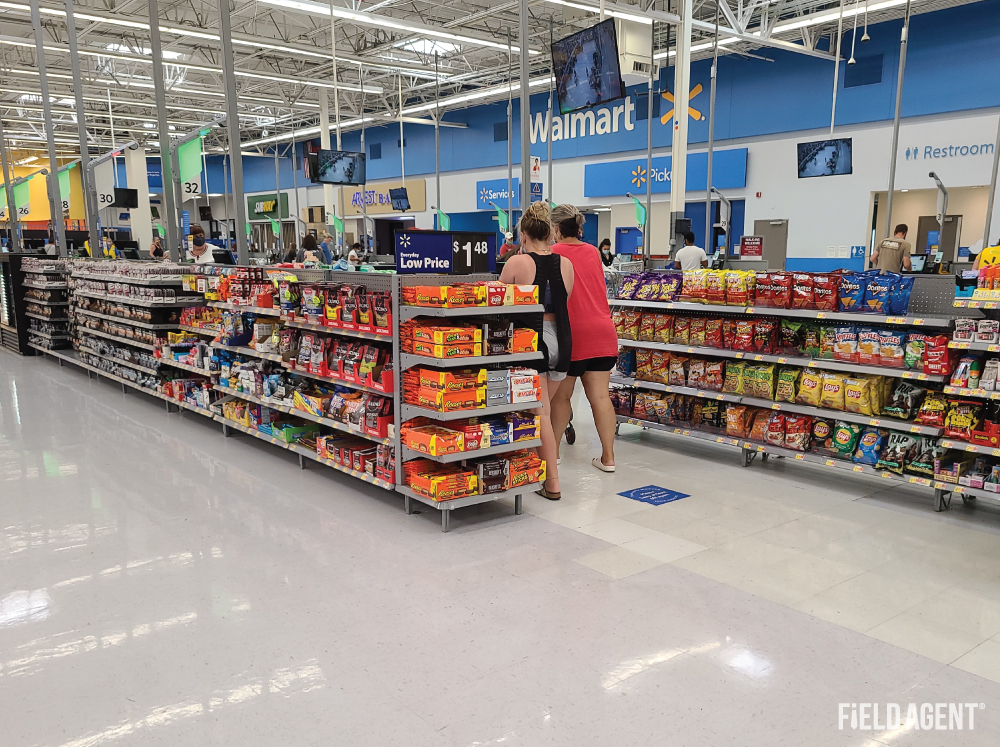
pixel 830 463
pixel 887 475
pixel 821 315
pixel 858 468
pixel 758 357
pixel 800 456
pixel 719 440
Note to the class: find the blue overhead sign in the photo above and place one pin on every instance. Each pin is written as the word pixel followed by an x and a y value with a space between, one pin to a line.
pixel 615 178
pixel 495 191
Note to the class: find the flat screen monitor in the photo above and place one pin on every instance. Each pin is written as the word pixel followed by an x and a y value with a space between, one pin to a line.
pixel 223 257
pixel 587 69
pixel 400 200
pixel 128 249
pixel 340 167
pixel 917 262
pixel 824 158
pixel 126 198
pixel 311 166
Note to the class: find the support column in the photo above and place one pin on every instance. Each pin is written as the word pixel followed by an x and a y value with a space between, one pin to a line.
pixel 8 178
pixel 437 133
pixel 233 131
pixel 525 106
pixel 646 233
pixel 142 216
pixel 324 143
pixel 678 150
pixel 55 202
pixel 81 123
pixel 709 223
pixel 993 190
pixel 169 217
pixel 903 38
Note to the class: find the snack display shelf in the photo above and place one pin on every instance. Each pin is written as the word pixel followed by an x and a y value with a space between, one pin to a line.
pixel 850 417
pixel 337 380
pixel 316 327
pixel 186 367
pixel 969 345
pixel 198 330
pixel 410 360
pixel 949 443
pixel 53 285
pixel 260 310
pixel 965 392
pixel 974 303
pixel 830 365
pixel 181 301
pixel 833 316
pixel 127 364
pixel 43 271
pixel 414 411
pixel 446 507
pixel 289 410
pixel 46 318
pixel 459 456
pixel 691 391
pixel 63 355
pixel 116 338
pixel 124 320
pixel 45 303
pixel 48 336
pixel 411 312
pixel 151 281
pixel 302 451
pixel 240 349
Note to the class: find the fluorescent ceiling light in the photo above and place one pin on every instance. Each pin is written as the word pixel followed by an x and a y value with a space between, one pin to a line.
pixel 427 46
pixel 612 13
pixel 827 17
pixel 26 161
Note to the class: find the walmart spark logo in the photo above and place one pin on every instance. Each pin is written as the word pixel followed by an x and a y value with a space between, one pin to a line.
pixel 484 194
pixel 404 241
pixel 639 176
pixel 695 114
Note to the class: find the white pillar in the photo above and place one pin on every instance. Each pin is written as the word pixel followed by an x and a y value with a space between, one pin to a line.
pixel 678 150
pixel 324 142
pixel 141 217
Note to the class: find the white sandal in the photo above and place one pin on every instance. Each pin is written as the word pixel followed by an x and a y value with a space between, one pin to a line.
pixel 596 461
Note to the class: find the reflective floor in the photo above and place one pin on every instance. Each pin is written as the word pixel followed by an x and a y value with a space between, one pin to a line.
pixel 160 584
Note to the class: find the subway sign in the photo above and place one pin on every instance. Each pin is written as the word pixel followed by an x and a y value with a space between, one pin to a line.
pixel 263 207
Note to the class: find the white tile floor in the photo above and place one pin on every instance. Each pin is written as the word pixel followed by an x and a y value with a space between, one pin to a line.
pixel 162 585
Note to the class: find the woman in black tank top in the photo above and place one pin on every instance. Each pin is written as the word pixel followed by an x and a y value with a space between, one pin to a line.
pixel 537 265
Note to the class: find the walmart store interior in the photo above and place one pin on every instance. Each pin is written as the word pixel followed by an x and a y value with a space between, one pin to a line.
pixel 530 372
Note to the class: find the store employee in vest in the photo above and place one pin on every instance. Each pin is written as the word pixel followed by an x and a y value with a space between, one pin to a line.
pixel 893 254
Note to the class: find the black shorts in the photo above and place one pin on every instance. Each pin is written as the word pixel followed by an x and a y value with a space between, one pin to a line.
pixel 579 368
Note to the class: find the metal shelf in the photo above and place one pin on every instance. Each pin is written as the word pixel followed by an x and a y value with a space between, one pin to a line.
pixel 800 313
pixel 27 299
pixel 971 448
pixel 241 350
pixel 532 443
pixel 977 393
pixel 125 320
pixel 337 380
pixel 47 336
pixel 155 280
pixel 822 363
pixel 198 330
pixel 46 318
pixel 410 360
pixel 289 410
pixel 43 271
pixel 259 310
pixel 850 417
pixel 658 387
pixel 411 312
pixel 413 411
pixel 46 286
pixel 65 354
pixel 116 338
pixel 185 367
pixel 314 327
pixel 127 364
pixel 446 507
pixel 182 301
pixel 985 346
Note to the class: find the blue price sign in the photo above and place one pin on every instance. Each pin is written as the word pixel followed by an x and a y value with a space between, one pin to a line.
pixel 423 252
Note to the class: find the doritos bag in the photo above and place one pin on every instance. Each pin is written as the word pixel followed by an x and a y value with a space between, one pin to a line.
pixel 877 287
pixel 852 291
pixel 899 297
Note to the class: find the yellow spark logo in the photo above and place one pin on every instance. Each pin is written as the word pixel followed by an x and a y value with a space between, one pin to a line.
pixel 638 176
pixel 692 112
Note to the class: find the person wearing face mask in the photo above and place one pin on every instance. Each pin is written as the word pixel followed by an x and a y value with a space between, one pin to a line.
pixel 200 252
pixel 606 256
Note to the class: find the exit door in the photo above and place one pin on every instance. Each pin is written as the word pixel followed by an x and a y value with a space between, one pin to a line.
pixel 775 233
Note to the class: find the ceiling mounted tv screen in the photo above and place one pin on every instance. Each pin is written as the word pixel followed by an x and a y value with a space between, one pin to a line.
pixel 825 158
pixel 587 69
pixel 340 167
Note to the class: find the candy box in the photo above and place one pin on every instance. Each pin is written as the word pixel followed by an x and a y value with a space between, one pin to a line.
pixel 360 458
pixel 501 397
pixel 312 403
pixel 453 381
pixel 291 433
pixel 524 341
pixel 525 294
pixel 496 294
pixel 447 335
pixel 455 350
pixel 465 399
pixel 434 440
pixel 950 468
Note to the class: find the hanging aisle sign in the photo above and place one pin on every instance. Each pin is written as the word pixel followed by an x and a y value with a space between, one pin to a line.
pixel 189 165
pixel 64 187
pixel 104 183
pixel 22 199
pixel 3 200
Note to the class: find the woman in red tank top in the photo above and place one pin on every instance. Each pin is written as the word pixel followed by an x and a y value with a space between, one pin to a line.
pixel 595 340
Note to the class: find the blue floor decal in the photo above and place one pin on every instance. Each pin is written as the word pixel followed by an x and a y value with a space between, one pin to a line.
pixel 654 495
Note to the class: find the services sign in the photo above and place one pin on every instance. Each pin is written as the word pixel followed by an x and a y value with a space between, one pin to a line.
pixel 495 191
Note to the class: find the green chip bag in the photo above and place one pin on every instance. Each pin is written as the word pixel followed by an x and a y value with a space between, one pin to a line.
pixel 845 439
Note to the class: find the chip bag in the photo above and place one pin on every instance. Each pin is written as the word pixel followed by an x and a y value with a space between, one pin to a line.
pixel 937 355
pixel 733 383
pixel 696 373
pixel 811 345
pixel 736 421
pixel 764 380
pixel 714 375
pixel 682 331
pixel 802 290
pixel 933 409
pixel 897 452
pixel 788 381
pixel 845 439
pixel 744 337
pixel 810 388
pixel 758 431
pixel 877 287
pixel 713 333
pixel 891 352
pixel 826 292
pixel 852 291
pixel 962 418
pixel 693 287
pixel 738 284
pixel 870 446
pixel 791 337
pixel 798 432
pixel 899 296
pixel 869 346
pixel 677 371
pixel 663 327
pixel 827 343
pixel 913 354
pixel 781 290
pixel 833 391
pixel 670 285
pixel 927 452
pixel 659 364
pixel 847 344
pixel 822 435
pixel 715 286
pixel 647 327
pixel 857 396
pixel 628 285
pixel 775 434
pixel 696 334
pixel 905 401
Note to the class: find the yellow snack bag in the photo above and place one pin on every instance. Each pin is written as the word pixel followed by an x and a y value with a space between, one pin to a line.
pixel 810 387
pixel 832 391
pixel 858 396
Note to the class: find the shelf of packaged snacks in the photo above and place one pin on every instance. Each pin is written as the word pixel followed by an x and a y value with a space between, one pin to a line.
pixel 154 280
pixel 44 271
pixel 47 336
pixel 298 449
pixel 210 331
pixel 414 411
pixel 187 367
pixel 949 443
pixel 127 364
pixel 181 301
pixel 289 410
pixel 975 303
pixel 339 381
pixel 962 391
pixel 849 417
pixel 968 345
pixel 124 320
pixel 316 327
pixel 46 318
pixel 260 310
pixel 410 360
pixel 791 360
pixel 411 312
pixel 116 338
pixel 834 316
pixel 39 301
pixel 468 500
pixel 459 456
pixel 65 354
pixel 186 405
pixel 719 438
pixel 690 391
pixel 241 350
pixel 46 286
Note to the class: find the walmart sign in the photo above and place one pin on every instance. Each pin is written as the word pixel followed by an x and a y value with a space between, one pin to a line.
pixel 495 190
pixel 615 178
